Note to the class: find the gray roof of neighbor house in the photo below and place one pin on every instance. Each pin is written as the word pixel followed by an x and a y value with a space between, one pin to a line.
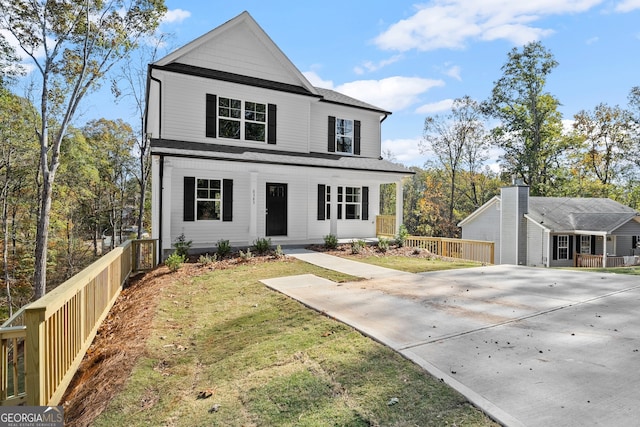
pixel 261 155
pixel 579 214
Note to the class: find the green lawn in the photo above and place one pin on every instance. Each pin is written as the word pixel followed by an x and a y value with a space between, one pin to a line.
pixel 270 361
pixel 415 264
pixel 635 271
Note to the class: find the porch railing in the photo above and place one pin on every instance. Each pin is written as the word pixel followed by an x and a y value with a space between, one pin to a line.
pixel 386 226
pixel 471 250
pixel 42 345
pixel 595 261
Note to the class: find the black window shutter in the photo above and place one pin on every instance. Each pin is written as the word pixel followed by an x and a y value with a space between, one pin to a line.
pixel 271 123
pixel 365 203
pixel 578 242
pixel 331 140
pixel 555 247
pixel 634 242
pixel 356 137
pixel 211 116
pixel 571 247
pixel 593 245
pixel 189 198
pixel 227 200
pixel 321 201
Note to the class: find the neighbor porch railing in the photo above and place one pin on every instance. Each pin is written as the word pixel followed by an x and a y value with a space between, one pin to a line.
pixel 386 226
pixel 596 261
pixel 42 345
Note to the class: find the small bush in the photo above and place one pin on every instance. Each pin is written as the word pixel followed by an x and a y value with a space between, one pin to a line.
pixel 279 252
pixel 207 259
pixel 417 251
pixel 330 241
pixel 224 248
pixel 401 237
pixel 182 246
pixel 175 261
pixel 357 246
pixel 245 256
pixel 383 244
pixel 262 246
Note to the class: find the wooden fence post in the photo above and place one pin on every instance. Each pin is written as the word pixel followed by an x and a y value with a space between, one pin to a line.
pixel 35 357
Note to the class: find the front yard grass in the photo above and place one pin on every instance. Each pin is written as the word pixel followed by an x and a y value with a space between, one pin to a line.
pixel 415 264
pixel 267 360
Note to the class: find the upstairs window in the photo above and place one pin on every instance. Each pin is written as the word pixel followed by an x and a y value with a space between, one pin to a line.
pixel 231 118
pixel 344 136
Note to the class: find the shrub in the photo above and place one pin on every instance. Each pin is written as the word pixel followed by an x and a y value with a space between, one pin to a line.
pixel 383 244
pixel 401 237
pixel 224 248
pixel 175 261
pixel 262 245
pixel 182 246
pixel 330 241
pixel 279 252
pixel 357 246
pixel 245 256
pixel 207 259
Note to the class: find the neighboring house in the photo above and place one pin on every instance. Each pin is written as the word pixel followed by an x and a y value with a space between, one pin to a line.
pixel 550 231
pixel 244 147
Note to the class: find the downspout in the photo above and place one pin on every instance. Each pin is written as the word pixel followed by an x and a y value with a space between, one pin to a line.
pixel 161 186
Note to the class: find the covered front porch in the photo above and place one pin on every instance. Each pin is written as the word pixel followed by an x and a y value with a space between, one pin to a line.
pixel 606 250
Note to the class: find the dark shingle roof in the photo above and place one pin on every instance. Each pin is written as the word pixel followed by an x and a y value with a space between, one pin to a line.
pixel 339 98
pixel 575 213
pixel 268 156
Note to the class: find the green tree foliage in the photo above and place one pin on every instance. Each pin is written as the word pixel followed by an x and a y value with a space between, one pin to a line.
pixel 605 137
pixel 72 44
pixel 530 129
pixel 458 140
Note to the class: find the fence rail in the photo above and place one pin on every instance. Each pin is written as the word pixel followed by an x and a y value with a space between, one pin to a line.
pixel 471 250
pixel 42 345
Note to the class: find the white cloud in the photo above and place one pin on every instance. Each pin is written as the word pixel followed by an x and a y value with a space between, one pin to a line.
pixel 405 151
pixel 175 16
pixel 373 66
pixel 317 81
pixel 392 93
pixel 435 107
pixel 452 23
pixel 627 6
pixel 454 72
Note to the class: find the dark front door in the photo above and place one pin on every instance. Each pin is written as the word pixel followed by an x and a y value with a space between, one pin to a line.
pixel 276 209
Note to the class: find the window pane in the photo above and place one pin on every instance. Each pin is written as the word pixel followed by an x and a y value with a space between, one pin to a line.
pixel 208 210
pixel 229 129
pixel 254 132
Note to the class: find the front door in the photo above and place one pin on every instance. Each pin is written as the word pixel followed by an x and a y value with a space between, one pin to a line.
pixel 276 209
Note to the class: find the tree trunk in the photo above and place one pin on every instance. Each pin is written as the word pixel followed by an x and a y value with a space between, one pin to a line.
pixel 42 238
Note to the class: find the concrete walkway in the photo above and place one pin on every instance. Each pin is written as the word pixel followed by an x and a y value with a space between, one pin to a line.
pixel 529 346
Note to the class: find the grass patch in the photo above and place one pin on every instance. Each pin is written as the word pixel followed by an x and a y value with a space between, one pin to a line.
pixel 415 264
pixel 634 271
pixel 269 360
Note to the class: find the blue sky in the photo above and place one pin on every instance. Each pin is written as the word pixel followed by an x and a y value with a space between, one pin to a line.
pixel 414 58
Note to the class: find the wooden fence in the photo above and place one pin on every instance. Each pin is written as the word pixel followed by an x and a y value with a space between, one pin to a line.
pixel 471 250
pixel 42 345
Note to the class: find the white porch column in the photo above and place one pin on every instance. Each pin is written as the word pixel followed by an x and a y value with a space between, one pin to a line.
pixel 604 251
pixel 399 204
pixel 167 241
pixel 253 210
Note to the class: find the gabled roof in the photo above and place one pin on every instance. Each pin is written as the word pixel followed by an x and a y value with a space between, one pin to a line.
pixel 339 98
pixel 579 214
pixel 195 53
pixel 492 202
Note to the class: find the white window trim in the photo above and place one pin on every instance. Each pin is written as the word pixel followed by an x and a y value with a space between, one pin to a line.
pixel 349 135
pixel 243 120
pixel 342 203
pixel 563 245
pixel 585 243
pixel 202 199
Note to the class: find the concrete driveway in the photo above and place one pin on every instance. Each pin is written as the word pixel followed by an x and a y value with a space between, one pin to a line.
pixel 530 346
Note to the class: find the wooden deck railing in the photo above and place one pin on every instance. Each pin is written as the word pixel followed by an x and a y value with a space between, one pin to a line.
pixel 386 226
pixel 595 261
pixel 471 250
pixel 42 345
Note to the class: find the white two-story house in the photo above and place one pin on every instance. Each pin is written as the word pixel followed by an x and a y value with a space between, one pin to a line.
pixel 244 147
